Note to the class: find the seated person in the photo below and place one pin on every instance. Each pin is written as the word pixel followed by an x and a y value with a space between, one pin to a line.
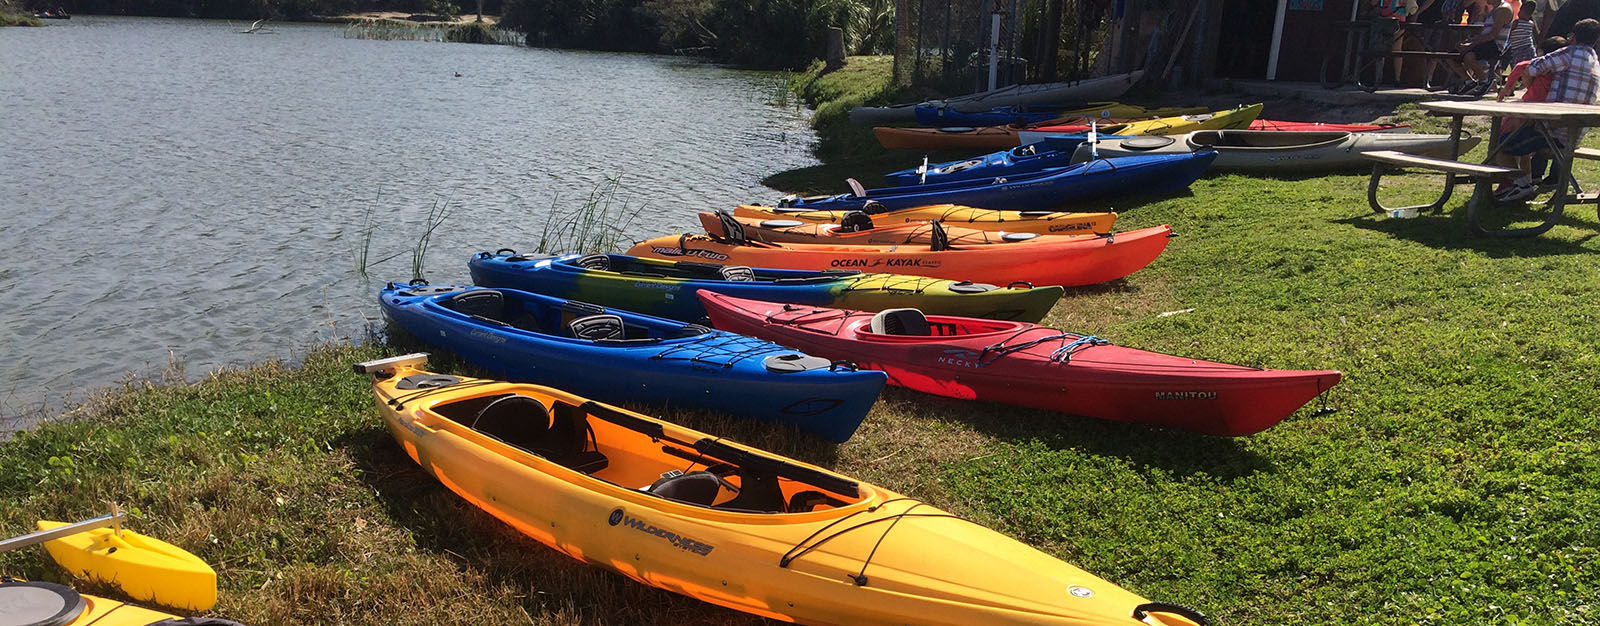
pixel 1480 52
pixel 1538 89
pixel 1575 79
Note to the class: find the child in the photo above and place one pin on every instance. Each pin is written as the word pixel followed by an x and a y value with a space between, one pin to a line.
pixel 1519 44
pixel 1538 88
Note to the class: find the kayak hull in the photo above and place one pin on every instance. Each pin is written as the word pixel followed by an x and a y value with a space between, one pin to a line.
pixel 790 560
pixel 1066 261
pixel 145 568
pixel 938 117
pixel 1047 189
pixel 695 371
pixel 1286 152
pixel 1036 222
pixel 645 286
pixel 1095 380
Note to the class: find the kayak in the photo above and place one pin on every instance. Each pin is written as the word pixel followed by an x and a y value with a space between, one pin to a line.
pixel 666 288
pixel 1272 125
pixel 858 229
pixel 1056 151
pixel 1279 152
pixel 1090 90
pixel 1041 222
pixel 1047 189
pixel 935 116
pixel 1323 126
pixel 728 524
pixel 35 603
pixel 628 357
pixel 1239 118
pixel 1065 261
pixel 1001 137
pixel 1033 366
pixel 145 568
pixel 971 138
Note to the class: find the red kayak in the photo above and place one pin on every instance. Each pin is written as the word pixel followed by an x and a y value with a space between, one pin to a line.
pixel 1263 125
pixel 1031 365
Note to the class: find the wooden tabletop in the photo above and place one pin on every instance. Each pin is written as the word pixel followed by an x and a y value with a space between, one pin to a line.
pixel 1583 114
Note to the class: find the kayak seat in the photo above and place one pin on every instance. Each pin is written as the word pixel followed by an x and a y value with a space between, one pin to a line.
pixel 480 303
pixel 737 273
pixel 524 423
pixel 758 492
pixel 597 327
pixel 855 222
pixel 594 262
pixel 698 488
pixel 900 322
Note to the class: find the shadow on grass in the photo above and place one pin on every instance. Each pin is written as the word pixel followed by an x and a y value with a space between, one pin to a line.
pixel 1449 231
pixel 1175 451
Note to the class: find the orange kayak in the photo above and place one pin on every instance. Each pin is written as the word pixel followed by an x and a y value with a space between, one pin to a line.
pixel 1066 261
pixel 861 231
pixel 1040 222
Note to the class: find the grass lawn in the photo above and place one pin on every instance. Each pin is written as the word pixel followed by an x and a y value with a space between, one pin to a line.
pixel 1457 483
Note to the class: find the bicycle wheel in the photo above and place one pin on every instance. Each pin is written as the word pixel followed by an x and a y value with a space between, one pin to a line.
pixel 1369 72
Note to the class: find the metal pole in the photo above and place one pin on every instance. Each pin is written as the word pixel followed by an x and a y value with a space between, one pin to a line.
pixel 1277 40
pixel 114 518
pixel 994 45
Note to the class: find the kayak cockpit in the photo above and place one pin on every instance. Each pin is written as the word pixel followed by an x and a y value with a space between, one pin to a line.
pixel 508 309
pixel 912 323
pixel 643 455
pixel 1269 140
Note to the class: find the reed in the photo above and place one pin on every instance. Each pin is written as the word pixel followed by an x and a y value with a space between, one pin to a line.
pixel 401 30
pixel 597 226
pixel 437 214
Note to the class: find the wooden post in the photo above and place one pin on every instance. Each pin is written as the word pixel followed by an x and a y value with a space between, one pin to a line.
pixel 480 10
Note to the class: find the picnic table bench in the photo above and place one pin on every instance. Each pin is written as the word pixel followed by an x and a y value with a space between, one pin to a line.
pixel 1543 115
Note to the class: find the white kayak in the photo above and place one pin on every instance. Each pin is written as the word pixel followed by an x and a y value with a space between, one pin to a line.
pixel 1276 152
pixel 1089 90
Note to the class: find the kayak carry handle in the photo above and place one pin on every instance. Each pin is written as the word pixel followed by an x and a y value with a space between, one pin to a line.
pixel 415 359
pixel 505 251
pixel 418 282
pixel 848 366
pixel 1013 284
pixel 1141 611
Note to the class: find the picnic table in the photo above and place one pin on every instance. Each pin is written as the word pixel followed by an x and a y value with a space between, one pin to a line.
pixel 1546 117
pixel 1370 40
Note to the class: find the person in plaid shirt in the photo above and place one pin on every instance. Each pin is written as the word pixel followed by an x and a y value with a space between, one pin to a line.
pixel 1575 79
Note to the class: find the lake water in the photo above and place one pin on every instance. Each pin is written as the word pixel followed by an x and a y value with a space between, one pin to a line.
pixel 172 189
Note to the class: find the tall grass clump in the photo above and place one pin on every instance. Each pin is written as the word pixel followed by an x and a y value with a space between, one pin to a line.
pixel 599 225
pixel 437 214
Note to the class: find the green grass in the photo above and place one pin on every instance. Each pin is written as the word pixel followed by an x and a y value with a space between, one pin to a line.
pixel 864 80
pixel 18 19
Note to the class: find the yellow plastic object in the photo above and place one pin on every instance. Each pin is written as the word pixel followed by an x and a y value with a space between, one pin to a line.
pixel 1239 118
pixel 108 612
pixel 767 535
pixel 1037 222
pixel 145 568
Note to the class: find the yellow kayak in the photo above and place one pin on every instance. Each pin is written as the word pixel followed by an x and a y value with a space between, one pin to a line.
pixel 26 602
pixel 1036 222
pixel 728 524
pixel 146 568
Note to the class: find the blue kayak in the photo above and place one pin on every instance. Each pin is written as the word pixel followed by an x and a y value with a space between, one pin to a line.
pixel 617 356
pixel 667 288
pixel 1055 188
pixel 939 116
pixel 1054 151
